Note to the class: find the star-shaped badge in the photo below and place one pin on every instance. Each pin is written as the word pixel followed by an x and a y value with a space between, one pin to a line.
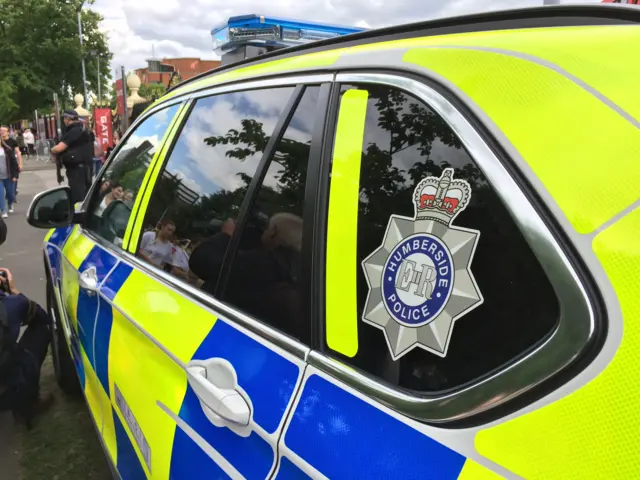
pixel 419 279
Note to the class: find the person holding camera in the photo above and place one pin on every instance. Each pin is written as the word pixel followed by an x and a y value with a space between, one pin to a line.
pixel 21 356
pixel 75 151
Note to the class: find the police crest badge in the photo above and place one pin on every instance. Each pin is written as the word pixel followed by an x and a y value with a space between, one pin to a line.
pixel 419 279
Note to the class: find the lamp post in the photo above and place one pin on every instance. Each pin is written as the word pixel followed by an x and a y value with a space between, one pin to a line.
pixel 84 74
pixel 96 54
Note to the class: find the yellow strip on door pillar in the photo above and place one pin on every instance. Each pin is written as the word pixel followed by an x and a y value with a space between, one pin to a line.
pixel 136 221
pixel 342 234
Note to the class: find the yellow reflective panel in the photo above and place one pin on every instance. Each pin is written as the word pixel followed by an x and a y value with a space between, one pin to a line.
pixel 77 248
pixel 563 132
pixel 597 55
pixel 179 324
pixel 48 235
pixel 342 231
pixel 475 471
pixel 91 390
pixel 136 222
pixel 108 427
pixel 145 375
pixel 594 431
pixel 69 292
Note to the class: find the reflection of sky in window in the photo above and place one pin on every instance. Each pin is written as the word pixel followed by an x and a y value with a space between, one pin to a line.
pixel 300 129
pixel 206 169
pixel 407 157
pixel 151 129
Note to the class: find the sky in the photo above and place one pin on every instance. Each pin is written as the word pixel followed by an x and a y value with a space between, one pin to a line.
pixel 181 28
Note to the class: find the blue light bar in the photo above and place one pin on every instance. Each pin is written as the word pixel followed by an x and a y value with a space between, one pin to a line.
pixel 258 30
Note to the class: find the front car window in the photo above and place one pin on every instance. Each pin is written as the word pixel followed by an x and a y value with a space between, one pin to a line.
pixel 116 191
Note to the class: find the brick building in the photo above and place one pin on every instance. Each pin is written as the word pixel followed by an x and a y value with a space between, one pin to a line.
pixel 160 71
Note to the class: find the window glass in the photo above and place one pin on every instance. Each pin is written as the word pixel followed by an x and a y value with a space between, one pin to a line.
pixel 512 305
pixel 206 177
pixel 119 185
pixel 264 279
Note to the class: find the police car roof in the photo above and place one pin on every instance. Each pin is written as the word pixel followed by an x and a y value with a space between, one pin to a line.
pixel 533 17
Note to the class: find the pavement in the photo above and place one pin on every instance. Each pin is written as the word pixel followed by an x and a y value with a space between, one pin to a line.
pixel 22 254
pixel 30 164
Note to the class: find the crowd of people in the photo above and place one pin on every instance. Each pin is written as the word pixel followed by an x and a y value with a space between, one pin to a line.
pixel 25 327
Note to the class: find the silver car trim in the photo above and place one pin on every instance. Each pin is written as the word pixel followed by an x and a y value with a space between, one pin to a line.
pixel 576 325
pixel 253 84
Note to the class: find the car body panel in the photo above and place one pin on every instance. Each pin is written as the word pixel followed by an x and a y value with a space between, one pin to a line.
pixel 591 433
pixel 557 101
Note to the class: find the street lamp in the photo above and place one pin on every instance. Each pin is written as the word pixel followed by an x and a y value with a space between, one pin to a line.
pixel 84 74
pixel 96 54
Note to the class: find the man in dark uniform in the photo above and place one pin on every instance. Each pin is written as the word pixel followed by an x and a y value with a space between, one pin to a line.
pixel 76 154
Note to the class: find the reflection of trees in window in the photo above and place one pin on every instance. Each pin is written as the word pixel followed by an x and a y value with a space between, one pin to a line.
pixel 289 159
pixel 130 166
pixel 288 169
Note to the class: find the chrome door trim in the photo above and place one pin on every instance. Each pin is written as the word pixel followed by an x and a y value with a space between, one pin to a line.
pixel 575 328
pixel 256 84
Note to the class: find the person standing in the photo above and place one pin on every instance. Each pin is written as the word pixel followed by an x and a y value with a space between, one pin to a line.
pixel 13 144
pixel 30 142
pixel 21 145
pixel 75 150
pixel 8 177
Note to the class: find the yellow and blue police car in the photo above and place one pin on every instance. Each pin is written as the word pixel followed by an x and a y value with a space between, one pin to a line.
pixel 403 253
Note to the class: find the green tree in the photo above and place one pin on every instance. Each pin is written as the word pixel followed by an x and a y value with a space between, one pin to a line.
pixel 41 54
pixel 153 90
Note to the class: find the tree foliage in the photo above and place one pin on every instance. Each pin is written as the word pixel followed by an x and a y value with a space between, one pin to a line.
pixel 41 54
pixel 151 91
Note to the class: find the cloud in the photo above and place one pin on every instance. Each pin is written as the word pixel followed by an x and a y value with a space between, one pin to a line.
pixel 181 28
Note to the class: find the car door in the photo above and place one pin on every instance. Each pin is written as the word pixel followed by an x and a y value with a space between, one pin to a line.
pixel 88 254
pixel 200 383
pixel 426 279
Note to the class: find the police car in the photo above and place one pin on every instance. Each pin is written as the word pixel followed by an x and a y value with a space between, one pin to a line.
pixel 403 253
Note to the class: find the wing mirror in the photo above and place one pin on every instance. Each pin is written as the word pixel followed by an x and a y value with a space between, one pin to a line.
pixel 52 209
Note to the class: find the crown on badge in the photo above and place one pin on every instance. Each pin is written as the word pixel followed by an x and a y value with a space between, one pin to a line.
pixel 441 199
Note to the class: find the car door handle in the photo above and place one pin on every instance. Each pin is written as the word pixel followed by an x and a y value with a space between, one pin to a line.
pixel 215 383
pixel 88 281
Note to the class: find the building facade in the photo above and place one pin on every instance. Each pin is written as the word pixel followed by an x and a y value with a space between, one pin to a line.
pixel 160 71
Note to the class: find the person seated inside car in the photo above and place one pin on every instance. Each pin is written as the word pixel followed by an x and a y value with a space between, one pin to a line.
pixel 263 280
pixel 116 193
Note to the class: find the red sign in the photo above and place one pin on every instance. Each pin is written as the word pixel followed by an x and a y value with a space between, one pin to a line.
pixel 120 96
pixel 104 131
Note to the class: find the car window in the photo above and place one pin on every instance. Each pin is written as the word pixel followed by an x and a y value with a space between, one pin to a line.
pixel 205 179
pixel 265 276
pixel 448 290
pixel 117 188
